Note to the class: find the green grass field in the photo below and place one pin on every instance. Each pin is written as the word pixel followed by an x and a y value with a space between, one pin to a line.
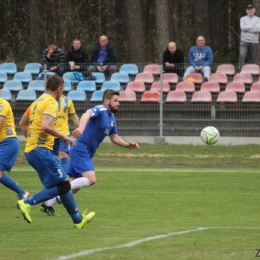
pixel 161 202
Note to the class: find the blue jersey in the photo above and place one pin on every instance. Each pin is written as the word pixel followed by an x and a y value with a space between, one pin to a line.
pixel 101 124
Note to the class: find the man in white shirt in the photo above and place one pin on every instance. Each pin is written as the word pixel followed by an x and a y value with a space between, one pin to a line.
pixel 250 28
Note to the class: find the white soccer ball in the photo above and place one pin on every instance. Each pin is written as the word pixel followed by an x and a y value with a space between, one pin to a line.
pixel 209 135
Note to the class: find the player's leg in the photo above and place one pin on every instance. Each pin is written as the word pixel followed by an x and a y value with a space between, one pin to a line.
pixel 63 153
pixel 9 150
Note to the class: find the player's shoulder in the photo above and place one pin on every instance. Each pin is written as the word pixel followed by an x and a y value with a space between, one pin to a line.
pixel 101 107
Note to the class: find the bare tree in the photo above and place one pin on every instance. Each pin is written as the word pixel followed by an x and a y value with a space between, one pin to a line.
pixel 162 26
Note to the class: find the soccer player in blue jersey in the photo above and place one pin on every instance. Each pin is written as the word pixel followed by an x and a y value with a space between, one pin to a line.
pixel 95 124
pixel 39 154
pixel 9 148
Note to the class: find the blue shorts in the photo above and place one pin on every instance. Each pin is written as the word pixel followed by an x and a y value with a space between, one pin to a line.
pixel 9 149
pixel 47 166
pixel 59 146
pixel 80 161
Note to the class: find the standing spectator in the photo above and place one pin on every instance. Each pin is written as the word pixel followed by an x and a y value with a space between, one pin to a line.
pixel 103 57
pixel 250 28
pixel 9 148
pixel 79 57
pixel 173 60
pixel 200 58
pixel 54 57
pixel 38 152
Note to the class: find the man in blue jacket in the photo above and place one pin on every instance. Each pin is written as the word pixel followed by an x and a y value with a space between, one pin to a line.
pixel 103 57
pixel 250 28
pixel 200 58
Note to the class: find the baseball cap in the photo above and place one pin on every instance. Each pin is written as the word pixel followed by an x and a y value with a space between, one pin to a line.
pixel 249 7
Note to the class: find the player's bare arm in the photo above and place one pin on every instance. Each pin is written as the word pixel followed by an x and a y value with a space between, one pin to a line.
pixel 24 124
pixel 82 124
pixel 116 139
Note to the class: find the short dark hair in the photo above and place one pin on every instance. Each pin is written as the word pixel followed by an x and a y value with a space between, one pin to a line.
pixel 54 82
pixel 109 93
pixel 52 43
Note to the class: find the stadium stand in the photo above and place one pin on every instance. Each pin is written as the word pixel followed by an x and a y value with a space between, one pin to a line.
pixel 152 68
pixel 156 86
pixel 24 77
pixel 251 96
pixel 196 78
pixel 6 94
pixel 26 95
pixel 171 78
pixel 150 96
pixel 245 78
pixel 97 96
pixel 211 86
pixel 67 86
pixel 185 86
pixel 115 85
pixel 176 96
pixel 252 69
pixel 37 85
pixel 136 86
pixel 144 77
pixel 13 85
pixel 255 86
pixel 86 85
pixel 77 95
pixel 238 87
pixel 100 77
pixel 228 69
pixel 129 68
pixel 9 68
pixel 32 68
pixel 221 78
pixel 201 96
pixel 67 75
pixel 121 77
pixel 227 96
pixel 127 95
pixel 3 77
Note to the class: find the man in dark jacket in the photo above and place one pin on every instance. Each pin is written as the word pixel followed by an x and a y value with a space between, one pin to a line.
pixel 103 57
pixel 77 59
pixel 173 60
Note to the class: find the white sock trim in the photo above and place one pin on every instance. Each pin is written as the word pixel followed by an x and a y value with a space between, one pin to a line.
pixel 79 183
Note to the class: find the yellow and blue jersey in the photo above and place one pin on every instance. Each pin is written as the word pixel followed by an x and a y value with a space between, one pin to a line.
pixel 8 128
pixel 44 105
pixel 65 108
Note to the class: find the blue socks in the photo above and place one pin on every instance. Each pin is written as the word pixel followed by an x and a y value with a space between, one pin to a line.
pixel 12 185
pixel 70 204
pixel 65 164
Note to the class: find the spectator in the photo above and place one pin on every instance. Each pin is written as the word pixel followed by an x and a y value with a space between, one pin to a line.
pixel 173 60
pixel 250 28
pixel 200 58
pixel 54 57
pixel 103 57
pixel 79 58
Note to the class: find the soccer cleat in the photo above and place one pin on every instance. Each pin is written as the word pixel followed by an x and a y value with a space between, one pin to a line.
pixel 85 219
pixel 49 210
pixel 25 210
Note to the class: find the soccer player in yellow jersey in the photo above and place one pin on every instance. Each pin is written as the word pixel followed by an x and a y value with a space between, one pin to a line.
pixel 9 148
pixel 39 154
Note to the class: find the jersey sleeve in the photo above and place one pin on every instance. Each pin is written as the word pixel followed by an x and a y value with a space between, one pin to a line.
pixel 51 109
pixel 27 112
pixel 94 111
pixel 71 108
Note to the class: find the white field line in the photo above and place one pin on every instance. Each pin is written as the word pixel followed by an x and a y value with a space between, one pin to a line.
pixel 131 244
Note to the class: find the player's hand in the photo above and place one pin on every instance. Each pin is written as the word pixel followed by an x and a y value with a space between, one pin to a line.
pixel 67 139
pixel 133 146
pixel 76 133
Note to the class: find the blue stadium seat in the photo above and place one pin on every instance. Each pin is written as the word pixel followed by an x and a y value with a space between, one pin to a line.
pixel 24 77
pixel 3 77
pixel 121 77
pixel 33 68
pixel 67 85
pixel 13 85
pixel 129 68
pixel 97 96
pixel 77 95
pixel 26 95
pixel 37 85
pixel 66 76
pixel 9 68
pixel 115 85
pixel 100 77
pixel 87 85
pixel 6 94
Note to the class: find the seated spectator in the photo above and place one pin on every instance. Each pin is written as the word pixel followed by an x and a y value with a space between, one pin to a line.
pixel 103 57
pixel 173 60
pixel 54 57
pixel 200 58
pixel 77 60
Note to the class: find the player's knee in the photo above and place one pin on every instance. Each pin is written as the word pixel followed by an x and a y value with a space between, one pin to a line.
pixel 92 180
pixel 63 187
pixel 63 155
